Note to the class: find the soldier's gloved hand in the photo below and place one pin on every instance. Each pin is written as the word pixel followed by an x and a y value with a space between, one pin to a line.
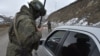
pixel 40 29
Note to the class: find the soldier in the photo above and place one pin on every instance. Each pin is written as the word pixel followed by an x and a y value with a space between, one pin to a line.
pixel 49 26
pixel 24 36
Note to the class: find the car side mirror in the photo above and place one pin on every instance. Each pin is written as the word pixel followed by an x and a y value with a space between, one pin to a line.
pixel 41 42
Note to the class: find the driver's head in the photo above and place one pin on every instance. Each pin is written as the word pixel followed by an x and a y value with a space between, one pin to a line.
pixel 82 38
pixel 37 8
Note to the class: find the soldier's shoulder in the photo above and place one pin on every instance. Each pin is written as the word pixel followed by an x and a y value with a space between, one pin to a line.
pixel 23 18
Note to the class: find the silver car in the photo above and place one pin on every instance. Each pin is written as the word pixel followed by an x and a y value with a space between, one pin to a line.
pixel 71 41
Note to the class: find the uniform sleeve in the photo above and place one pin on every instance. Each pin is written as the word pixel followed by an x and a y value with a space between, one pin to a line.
pixel 27 32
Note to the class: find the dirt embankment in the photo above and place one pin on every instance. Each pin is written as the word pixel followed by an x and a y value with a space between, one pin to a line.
pixel 89 9
pixel 4 25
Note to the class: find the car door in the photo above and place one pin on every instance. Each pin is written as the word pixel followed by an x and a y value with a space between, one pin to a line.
pixel 79 44
pixel 50 46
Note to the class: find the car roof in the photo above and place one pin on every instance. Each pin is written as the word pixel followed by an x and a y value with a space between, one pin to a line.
pixel 93 30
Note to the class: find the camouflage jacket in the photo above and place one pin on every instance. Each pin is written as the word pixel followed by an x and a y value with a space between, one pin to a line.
pixel 27 35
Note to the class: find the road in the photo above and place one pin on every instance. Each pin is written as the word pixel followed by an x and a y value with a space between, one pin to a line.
pixel 4 40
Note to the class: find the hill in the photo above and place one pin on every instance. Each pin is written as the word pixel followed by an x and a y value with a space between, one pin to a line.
pixel 89 9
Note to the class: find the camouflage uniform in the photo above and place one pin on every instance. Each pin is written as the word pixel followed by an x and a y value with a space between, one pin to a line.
pixel 49 26
pixel 27 37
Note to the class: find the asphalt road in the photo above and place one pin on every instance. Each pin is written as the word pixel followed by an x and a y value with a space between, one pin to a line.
pixel 4 39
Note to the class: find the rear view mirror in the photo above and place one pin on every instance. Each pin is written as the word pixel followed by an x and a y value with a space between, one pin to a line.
pixel 41 42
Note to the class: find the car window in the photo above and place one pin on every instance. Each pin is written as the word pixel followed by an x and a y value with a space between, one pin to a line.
pixel 54 40
pixel 78 44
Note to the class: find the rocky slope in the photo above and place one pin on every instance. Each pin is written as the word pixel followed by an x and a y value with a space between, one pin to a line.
pixel 89 9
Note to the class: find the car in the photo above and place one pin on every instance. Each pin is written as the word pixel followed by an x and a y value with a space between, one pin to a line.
pixel 71 41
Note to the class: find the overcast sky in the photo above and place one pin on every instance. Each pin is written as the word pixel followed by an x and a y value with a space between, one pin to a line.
pixel 10 7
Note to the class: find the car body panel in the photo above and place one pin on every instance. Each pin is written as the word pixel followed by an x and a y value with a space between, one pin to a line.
pixel 43 50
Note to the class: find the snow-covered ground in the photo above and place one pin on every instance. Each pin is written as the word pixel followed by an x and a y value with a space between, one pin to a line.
pixel 74 21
